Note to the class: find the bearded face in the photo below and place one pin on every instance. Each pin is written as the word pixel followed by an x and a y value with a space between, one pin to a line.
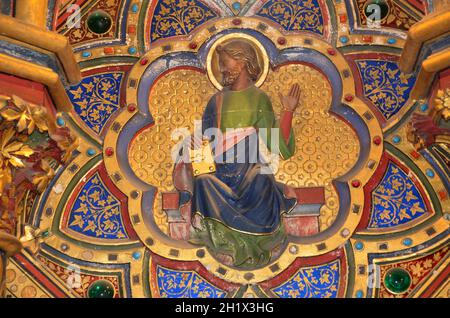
pixel 230 69
pixel 229 77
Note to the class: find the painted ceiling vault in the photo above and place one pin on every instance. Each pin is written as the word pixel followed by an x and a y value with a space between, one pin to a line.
pixel 89 101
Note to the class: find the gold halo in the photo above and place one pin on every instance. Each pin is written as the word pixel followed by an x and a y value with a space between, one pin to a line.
pixel 212 61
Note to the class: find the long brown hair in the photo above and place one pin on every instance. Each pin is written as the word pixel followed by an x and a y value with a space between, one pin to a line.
pixel 243 51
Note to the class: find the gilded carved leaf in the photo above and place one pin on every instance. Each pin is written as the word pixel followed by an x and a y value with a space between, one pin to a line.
pixel 43 179
pixel 28 116
pixel 11 150
pixel 5 178
pixel 443 103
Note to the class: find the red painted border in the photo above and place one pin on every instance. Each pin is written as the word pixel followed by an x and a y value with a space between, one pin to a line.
pixel 111 187
pixel 307 262
pixel 351 59
pixel 444 79
pixel 63 15
pixel 443 276
pixel 418 5
pixel 156 260
pixel 122 95
pixel 326 19
pixel 39 276
pixel 374 182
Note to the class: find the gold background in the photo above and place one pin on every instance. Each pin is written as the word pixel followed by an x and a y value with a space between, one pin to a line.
pixel 326 147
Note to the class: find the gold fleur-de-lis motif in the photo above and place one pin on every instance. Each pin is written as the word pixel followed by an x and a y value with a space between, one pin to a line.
pixel 320 281
pixel 385 86
pixel 96 98
pixel 96 212
pixel 295 15
pixel 185 284
pixel 396 200
pixel 173 18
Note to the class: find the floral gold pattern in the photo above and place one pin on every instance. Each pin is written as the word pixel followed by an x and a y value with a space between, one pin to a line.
pixel 11 150
pixel 31 147
pixel 397 17
pixel 326 146
pixel 442 104
pixel 96 98
pixel 418 269
pixel 97 212
pixel 179 17
pixel 385 86
pixel 177 99
pixel 79 285
pixel 312 282
pixel 185 284
pixel 82 33
pixel 396 200
pixel 27 116
pixel 295 15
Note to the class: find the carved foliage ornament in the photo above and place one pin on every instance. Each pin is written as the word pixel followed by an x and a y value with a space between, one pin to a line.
pixel 31 148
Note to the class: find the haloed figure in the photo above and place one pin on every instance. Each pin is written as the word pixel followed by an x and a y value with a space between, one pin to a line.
pixel 237 209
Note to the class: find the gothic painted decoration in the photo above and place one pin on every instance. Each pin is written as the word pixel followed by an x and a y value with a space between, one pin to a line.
pixel 97 212
pixel 182 284
pixel 312 282
pixel 392 14
pixel 396 200
pixel 99 21
pixel 225 201
pixel 385 85
pixel 180 17
pixel 225 149
pixel 96 99
pixel 295 15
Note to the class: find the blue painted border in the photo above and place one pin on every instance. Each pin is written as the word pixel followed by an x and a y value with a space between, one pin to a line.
pixel 50 14
pixel 6 7
pixel 432 161
pixel 430 5
pixel 427 49
pixel 32 56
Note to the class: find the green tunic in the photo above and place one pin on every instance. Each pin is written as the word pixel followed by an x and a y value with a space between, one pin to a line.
pixel 251 107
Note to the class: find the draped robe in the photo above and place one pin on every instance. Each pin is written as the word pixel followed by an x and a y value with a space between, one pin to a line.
pixel 241 207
